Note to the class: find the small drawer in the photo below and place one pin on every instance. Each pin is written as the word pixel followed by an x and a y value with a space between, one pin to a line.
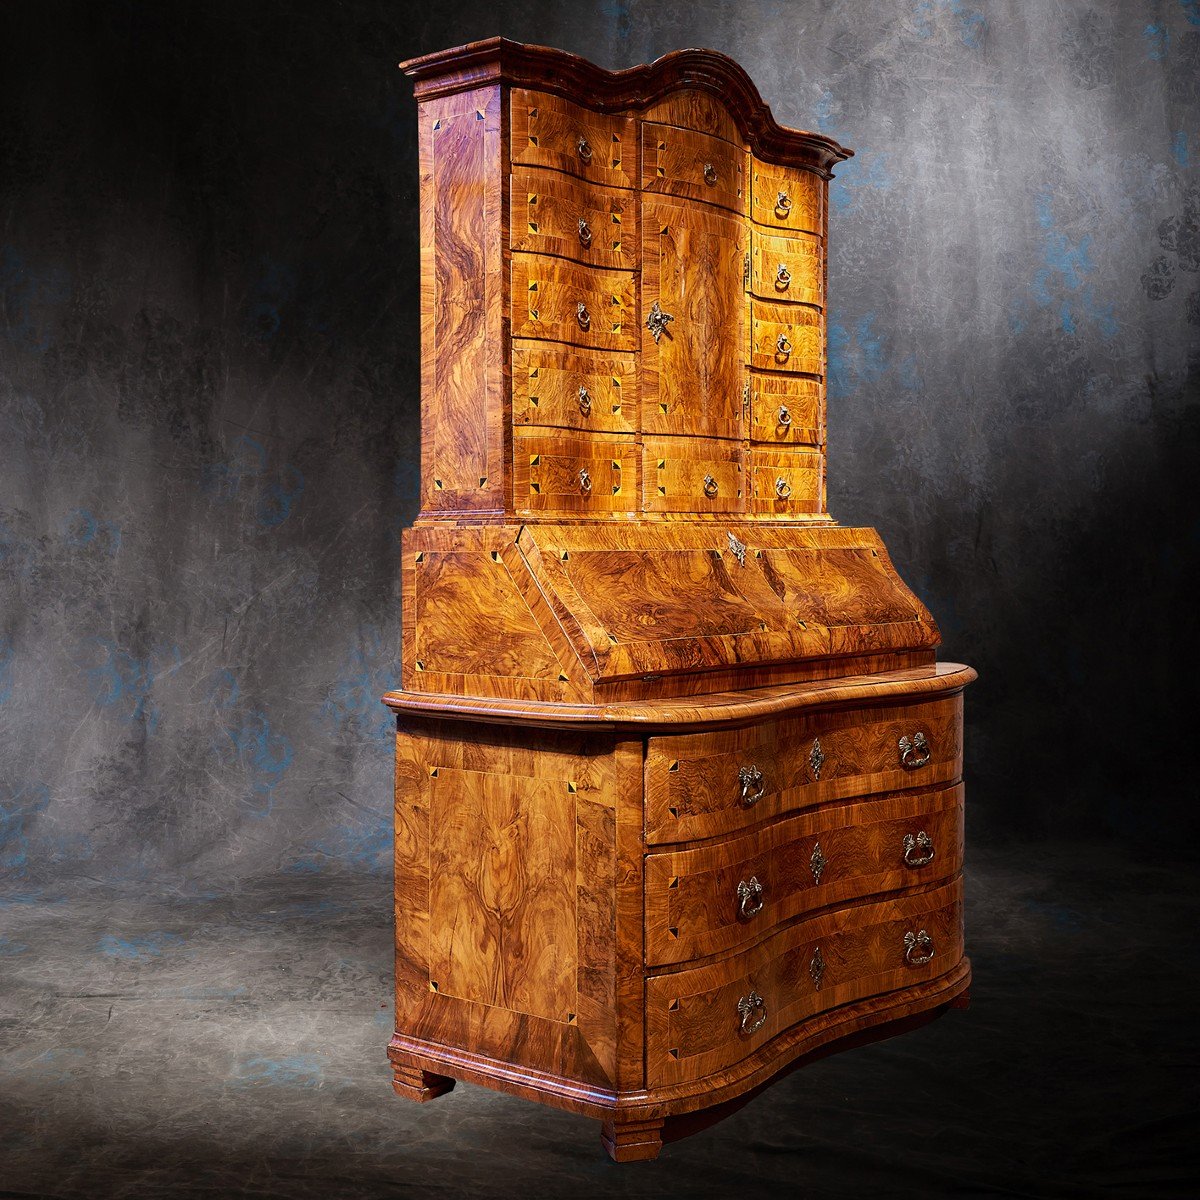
pixel 787 267
pixel 701 785
pixel 555 214
pixel 682 162
pixel 565 302
pixel 785 410
pixel 719 897
pixel 787 197
pixel 548 131
pixel 574 475
pixel 785 482
pixel 785 337
pixel 576 389
pixel 693 475
pixel 703 1020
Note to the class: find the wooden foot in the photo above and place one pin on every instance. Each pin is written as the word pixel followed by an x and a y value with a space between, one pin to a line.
pixel 632 1141
pixel 416 1084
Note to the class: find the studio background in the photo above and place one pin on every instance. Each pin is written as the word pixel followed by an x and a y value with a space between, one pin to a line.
pixel 209 439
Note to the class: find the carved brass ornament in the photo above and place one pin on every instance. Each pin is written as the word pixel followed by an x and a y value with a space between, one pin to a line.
pixel 914 751
pixel 752 784
pixel 918 948
pixel 816 968
pixel 817 863
pixel 918 849
pixel 816 758
pixel 657 320
pixel 750 898
pixel 737 549
pixel 752 1010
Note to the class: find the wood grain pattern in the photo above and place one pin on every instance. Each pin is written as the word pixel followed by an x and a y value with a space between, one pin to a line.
pixel 693 907
pixel 785 482
pixel 787 197
pixel 786 410
pixel 547 131
pixel 575 474
pixel 690 108
pixel 546 297
pixel 573 388
pixel 790 267
pixel 691 474
pixel 684 163
pixel 786 338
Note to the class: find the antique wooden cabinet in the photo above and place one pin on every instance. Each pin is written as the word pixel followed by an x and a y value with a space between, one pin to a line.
pixel 678 779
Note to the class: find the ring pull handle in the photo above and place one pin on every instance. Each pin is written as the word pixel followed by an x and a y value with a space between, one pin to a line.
pixel 585 401
pixel 783 203
pixel 583 316
pixel 918 849
pixel 782 278
pixel 710 174
pixel 918 948
pixel 750 898
pixel 711 487
pixel 657 321
pixel 585 232
pixel 752 1010
pixel 914 751
pixel 785 415
pixel 585 481
pixel 753 785
pixel 783 489
pixel 782 345
pixel 584 149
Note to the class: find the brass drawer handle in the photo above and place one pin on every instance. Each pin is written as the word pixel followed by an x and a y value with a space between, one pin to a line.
pixel 816 758
pixel 817 863
pixel 816 968
pixel 918 849
pixel 785 416
pixel 656 321
pixel 914 751
pixel 585 481
pixel 782 346
pixel 783 202
pixel 585 151
pixel 585 401
pixel 583 316
pixel 747 1007
pixel 783 489
pixel 914 942
pixel 711 487
pixel 782 278
pixel 710 174
pixel 585 232
pixel 750 898
pixel 753 785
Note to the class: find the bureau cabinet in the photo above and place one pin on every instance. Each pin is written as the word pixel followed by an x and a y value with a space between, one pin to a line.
pixel 679 794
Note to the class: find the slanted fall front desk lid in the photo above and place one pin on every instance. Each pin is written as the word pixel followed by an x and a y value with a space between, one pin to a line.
pixel 617 602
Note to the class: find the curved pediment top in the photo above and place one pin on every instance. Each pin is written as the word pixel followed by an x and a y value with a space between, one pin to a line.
pixel 498 60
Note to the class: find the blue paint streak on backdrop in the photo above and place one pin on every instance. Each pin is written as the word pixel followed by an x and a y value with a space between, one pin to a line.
pixel 122 681
pixel 18 813
pixel 247 474
pixel 139 949
pixel 7 656
pixel 248 740
pixel 1158 41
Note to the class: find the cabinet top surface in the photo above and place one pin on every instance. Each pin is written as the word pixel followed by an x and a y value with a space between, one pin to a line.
pixel 498 60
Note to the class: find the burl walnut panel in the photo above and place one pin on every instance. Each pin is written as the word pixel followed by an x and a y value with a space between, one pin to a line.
pixel 575 388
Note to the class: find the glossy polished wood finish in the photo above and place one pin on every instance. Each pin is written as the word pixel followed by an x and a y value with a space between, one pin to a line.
pixel 678 780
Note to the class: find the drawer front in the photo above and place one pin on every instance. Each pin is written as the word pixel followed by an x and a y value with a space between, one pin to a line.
pixel 548 131
pixel 693 475
pixel 723 896
pixel 576 389
pixel 706 1019
pixel 565 302
pixel 787 197
pixel 708 784
pixel 785 338
pixel 787 267
pixel 574 475
pixel 682 162
pixel 555 214
pixel 785 410
pixel 784 483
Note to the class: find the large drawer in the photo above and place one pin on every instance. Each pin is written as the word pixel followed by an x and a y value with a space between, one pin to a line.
pixel 787 197
pixel 718 897
pixel 703 1020
pixel 590 223
pixel 590 390
pixel 785 337
pixel 691 474
pixel 701 785
pixel 682 162
pixel 549 131
pixel 564 474
pixel 787 267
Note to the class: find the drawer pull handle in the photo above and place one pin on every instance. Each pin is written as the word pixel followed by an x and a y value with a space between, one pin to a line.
pixel 816 758
pixel 914 751
pixel 747 1007
pixel 816 968
pixel 711 487
pixel 783 489
pixel 585 232
pixel 918 849
pixel 782 278
pixel 750 898
pixel 785 417
pixel 585 402
pixel 817 863
pixel 583 316
pixel 753 785
pixel 783 202
pixel 585 150
pixel 710 174
pixel 657 320
pixel 585 481
pixel 914 942
pixel 782 346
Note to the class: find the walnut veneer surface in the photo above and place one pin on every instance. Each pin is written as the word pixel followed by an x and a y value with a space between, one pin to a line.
pixel 679 793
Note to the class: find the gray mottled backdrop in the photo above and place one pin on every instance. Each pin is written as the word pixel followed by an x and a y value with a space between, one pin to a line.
pixel 208 396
